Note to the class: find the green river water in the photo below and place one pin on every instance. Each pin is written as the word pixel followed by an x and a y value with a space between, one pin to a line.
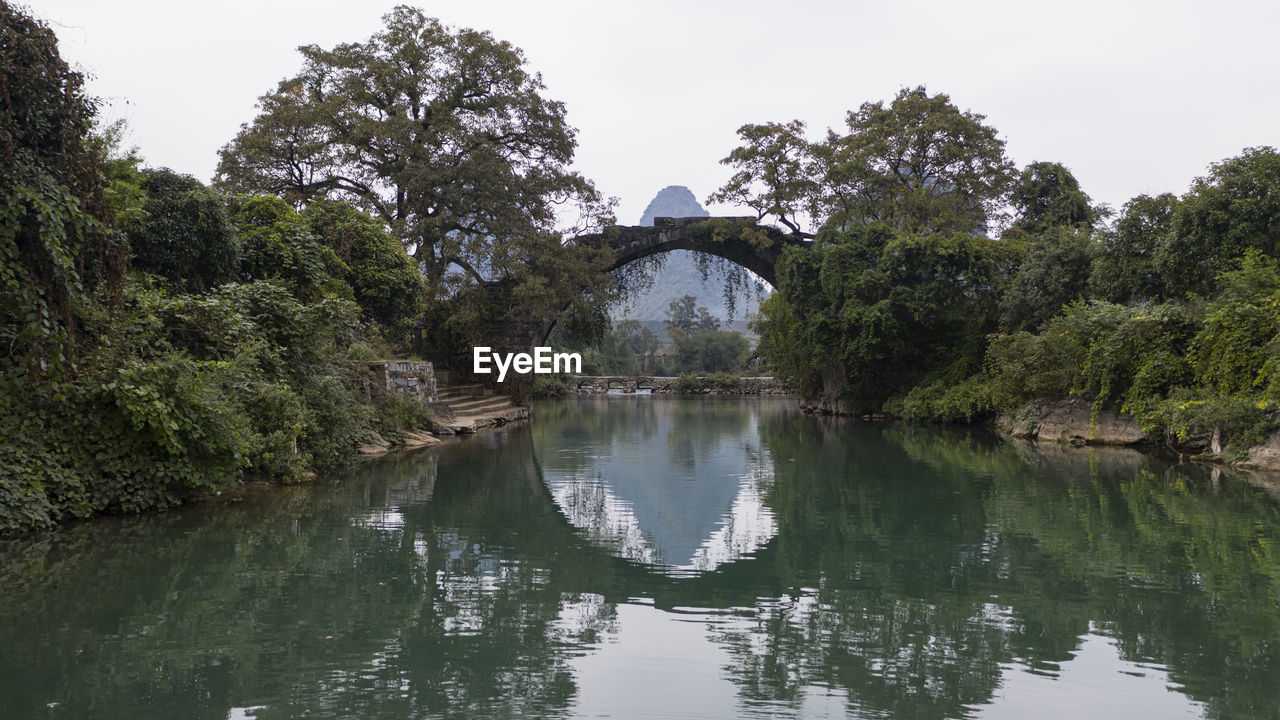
pixel 655 557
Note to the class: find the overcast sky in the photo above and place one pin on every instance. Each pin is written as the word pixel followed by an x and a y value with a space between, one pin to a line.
pixel 1133 97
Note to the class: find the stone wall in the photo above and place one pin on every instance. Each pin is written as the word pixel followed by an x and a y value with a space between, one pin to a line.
pixel 412 378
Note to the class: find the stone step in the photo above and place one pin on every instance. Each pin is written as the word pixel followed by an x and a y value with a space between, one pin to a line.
pixel 469 423
pixel 479 405
pixel 444 392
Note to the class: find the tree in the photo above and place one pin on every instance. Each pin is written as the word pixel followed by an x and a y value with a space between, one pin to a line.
pixel 440 133
pixel 685 316
pixel 919 164
pixel 1054 271
pixel 775 174
pixel 186 233
pixel 1124 267
pixel 1234 208
pixel 710 350
pixel 55 248
pixel 276 244
pixel 871 310
pixel 1047 196
pixel 386 282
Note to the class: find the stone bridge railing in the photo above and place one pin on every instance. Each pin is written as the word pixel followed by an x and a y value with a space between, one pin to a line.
pixel 659 385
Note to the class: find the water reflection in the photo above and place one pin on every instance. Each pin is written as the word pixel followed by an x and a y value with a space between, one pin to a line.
pixel 675 484
pixel 829 569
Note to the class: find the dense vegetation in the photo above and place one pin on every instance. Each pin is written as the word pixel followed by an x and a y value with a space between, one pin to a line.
pixel 163 337
pixel 447 139
pixel 415 190
pixel 909 302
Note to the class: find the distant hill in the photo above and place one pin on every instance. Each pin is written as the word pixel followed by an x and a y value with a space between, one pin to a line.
pixel 680 275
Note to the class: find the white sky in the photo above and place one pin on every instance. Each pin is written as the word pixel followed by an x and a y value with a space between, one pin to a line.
pixel 1133 97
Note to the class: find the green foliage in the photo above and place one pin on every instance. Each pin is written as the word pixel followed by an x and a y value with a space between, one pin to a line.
pixel 1206 420
pixel 725 380
pixel 386 282
pixel 686 383
pixel 551 386
pixel 125 192
pixel 711 351
pixel 783 348
pixel 1054 272
pixel 886 307
pixel 159 429
pixel 685 316
pixel 1232 210
pixel 1124 267
pixel 394 414
pixel 775 174
pixel 441 133
pixel 919 164
pixel 186 234
pixel 277 244
pixel 55 252
pixel 1123 357
pixel 1048 196
pixel 1236 351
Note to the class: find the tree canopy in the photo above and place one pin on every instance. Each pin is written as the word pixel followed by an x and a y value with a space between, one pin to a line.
pixel 1046 196
pixel 441 133
pixel 919 164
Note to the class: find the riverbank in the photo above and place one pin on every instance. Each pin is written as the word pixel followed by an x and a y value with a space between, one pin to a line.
pixel 1074 421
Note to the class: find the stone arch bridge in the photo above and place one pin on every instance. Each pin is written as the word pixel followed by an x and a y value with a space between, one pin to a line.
pixel 740 240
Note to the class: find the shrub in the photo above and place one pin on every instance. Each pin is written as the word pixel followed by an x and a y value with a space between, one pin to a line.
pixel 686 383
pixel 551 386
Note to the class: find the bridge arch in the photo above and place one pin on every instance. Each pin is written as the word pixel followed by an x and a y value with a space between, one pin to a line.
pixel 740 240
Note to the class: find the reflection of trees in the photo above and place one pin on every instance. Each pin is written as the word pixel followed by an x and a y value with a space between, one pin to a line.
pixel 916 562
pixel 283 601
pixel 908 568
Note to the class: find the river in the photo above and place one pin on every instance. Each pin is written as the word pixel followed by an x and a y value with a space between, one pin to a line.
pixel 659 557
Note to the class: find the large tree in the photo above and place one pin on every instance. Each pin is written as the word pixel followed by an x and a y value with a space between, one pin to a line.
pixel 441 133
pixel 919 164
pixel 1124 267
pixel 775 174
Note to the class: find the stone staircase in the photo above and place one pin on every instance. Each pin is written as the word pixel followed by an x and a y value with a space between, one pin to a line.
pixel 473 407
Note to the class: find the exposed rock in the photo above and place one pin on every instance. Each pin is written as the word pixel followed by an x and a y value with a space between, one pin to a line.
pixel 375 444
pixel 1072 421
pixel 1265 456
pixel 413 439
